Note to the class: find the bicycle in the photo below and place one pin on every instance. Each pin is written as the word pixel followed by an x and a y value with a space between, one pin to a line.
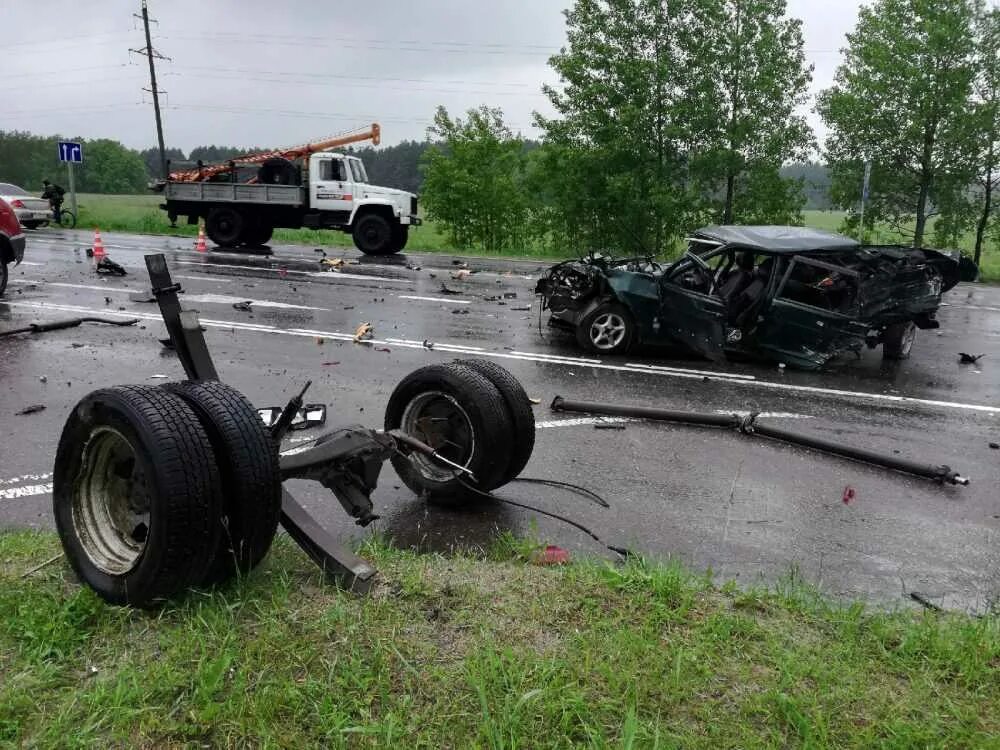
pixel 66 220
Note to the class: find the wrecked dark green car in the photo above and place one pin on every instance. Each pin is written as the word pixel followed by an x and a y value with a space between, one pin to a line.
pixel 789 294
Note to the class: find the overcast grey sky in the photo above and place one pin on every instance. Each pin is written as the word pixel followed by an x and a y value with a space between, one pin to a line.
pixel 271 73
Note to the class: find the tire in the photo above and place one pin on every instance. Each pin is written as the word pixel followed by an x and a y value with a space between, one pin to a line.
pixel 897 340
pixel 522 416
pixel 251 480
pixel 400 234
pixel 278 171
pixel 157 438
pixel 256 232
pixel 224 226
pixel 478 423
pixel 373 235
pixel 4 273
pixel 67 219
pixel 607 329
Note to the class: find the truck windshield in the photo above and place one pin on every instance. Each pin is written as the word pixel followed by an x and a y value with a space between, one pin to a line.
pixel 358 169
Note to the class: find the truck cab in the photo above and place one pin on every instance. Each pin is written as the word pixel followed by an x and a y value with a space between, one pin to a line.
pixel 340 195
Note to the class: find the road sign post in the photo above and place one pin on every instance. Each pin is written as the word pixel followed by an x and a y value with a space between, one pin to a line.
pixel 71 153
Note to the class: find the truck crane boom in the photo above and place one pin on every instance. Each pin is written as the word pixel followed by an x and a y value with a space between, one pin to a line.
pixel 201 174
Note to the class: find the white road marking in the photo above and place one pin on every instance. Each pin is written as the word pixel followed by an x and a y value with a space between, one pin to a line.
pixel 451 300
pixel 976 307
pixel 26 478
pixel 740 380
pixel 664 368
pixel 766 414
pixel 209 279
pixel 30 263
pixel 289 271
pixel 28 490
pixel 207 298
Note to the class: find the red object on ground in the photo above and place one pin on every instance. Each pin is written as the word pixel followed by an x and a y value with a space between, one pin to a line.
pixel 849 494
pixel 552 555
pixel 98 244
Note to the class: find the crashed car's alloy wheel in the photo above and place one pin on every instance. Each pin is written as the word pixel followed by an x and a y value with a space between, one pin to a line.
pixel 459 413
pixel 136 494
pixel 608 329
pixel 251 478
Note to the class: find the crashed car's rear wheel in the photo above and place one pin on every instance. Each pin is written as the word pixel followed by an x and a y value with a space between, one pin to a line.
pixel 897 340
pixel 459 413
pixel 136 494
pixel 251 480
pixel 519 409
pixel 607 329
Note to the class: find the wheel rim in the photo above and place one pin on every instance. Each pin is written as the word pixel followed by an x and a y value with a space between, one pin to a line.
pixel 438 420
pixel 908 336
pixel 608 331
pixel 111 503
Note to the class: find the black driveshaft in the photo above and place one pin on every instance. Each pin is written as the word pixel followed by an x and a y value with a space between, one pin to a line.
pixel 750 426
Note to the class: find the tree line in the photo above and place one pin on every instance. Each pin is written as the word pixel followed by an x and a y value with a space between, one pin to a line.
pixel 671 114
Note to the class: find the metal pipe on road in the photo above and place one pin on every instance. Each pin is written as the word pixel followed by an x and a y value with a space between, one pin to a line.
pixel 750 426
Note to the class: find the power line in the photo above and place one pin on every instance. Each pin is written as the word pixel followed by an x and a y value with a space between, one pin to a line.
pixel 408 89
pixel 152 55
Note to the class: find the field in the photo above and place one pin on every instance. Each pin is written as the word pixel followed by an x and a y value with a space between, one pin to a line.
pixel 140 213
pixel 483 651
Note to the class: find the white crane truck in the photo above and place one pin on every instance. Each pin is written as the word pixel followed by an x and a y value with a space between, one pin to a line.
pixel 243 200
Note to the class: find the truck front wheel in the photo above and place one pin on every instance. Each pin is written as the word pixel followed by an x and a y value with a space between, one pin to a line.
pixel 400 234
pixel 224 226
pixel 373 235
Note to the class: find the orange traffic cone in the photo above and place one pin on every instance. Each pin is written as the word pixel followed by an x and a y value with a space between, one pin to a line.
pixel 98 244
pixel 200 244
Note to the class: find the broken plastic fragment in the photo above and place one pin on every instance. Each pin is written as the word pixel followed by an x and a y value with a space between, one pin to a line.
pixel 551 555
pixel 849 495
pixel 363 331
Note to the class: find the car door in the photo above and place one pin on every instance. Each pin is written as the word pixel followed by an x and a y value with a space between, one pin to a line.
pixel 814 314
pixel 690 310
pixel 332 188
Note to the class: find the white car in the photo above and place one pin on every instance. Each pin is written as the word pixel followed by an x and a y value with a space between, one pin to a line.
pixel 31 211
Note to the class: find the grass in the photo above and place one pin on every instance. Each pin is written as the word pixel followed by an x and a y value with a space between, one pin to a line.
pixel 494 653
pixel 140 213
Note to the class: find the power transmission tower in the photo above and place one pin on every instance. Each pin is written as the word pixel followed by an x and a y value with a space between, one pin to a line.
pixel 151 54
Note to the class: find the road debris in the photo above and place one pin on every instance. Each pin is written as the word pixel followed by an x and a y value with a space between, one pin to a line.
pixel 459 311
pixel 382 349
pixel 158 376
pixel 510 295
pixel 362 332
pixel 925 602
pixel 140 297
pixel 320 341
pixel 59 325
pixel 525 308
pixel 244 306
pixel 849 495
pixel 107 267
pixel 42 379
pixel 428 344
pixel 551 555
pixel 167 344
pixel 332 263
pixel 459 275
pixel 608 426
pixel 330 364
pixel 969 359
pixel 995 446
pixel 33 409
pixel 534 400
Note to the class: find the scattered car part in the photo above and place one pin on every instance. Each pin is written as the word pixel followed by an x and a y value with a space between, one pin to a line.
pixel 107 267
pixel 363 331
pixel 969 359
pixel 748 425
pixel 446 406
pixel 139 489
pixel 33 409
pixel 136 494
pixel 303 418
pixel 59 325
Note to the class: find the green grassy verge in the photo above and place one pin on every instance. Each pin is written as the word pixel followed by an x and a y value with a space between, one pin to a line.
pixel 471 652
pixel 140 213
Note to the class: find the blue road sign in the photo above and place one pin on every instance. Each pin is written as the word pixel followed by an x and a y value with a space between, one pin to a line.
pixel 71 152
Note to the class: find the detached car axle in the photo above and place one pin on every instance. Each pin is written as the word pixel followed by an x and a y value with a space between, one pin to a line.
pixel 749 425
pixel 157 489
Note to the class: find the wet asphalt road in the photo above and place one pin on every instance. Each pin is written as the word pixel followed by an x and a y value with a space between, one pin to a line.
pixel 747 509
